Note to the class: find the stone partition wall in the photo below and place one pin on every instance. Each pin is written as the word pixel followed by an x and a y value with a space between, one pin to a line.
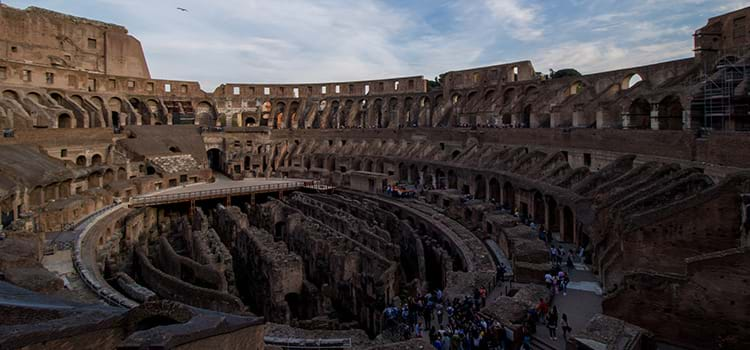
pixel 187 269
pixel 268 274
pixel 172 288
pixel 357 280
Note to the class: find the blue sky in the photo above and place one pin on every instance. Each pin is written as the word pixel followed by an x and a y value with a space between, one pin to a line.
pixel 285 41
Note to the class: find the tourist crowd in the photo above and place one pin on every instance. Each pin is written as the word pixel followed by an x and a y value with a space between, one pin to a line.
pixel 448 323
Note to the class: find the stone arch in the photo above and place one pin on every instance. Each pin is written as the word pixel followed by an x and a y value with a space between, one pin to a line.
pixel 293 120
pixel 204 115
pixel 472 95
pixel 330 163
pixel 413 173
pixel 94 179
pixel 403 172
pixel 575 88
pixel 122 174
pixel 455 99
pixel 427 178
pixel 58 97
pixel 639 113
pixel 334 117
pixel 65 121
pixel 509 195
pixel 452 180
pixel 526 116
pixel 109 176
pixel 480 187
pixel 357 164
pixel 377 110
pixel 265 110
pixel 34 96
pixel 11 94
pixel 425 112
pixel 368 165
pixel 567 225
pixel 494 190
pixel 670 113
pixel 630 81
pixel 96 159
pixel 508 96
pixel 538 203
pixel 360 118
pixel 248 119
pixel 553 220
pixel 346 112
pixel 77 99
pixel 440 179
pixel 408 115
pixel 489 95
pixel 114 105
pixel 81 160
pixel 215 159
pixel 278 120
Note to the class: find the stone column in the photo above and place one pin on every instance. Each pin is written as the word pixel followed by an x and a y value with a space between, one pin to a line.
pixel 625 120
pixel 654 116
pixel 687 121
pixel 555 120
pixel 534 120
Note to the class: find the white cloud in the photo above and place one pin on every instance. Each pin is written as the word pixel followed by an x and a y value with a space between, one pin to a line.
pixel 598 56
pixel 520 19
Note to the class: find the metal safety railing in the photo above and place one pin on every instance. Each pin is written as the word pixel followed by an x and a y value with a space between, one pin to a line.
pixel 299 343
pixel 218 193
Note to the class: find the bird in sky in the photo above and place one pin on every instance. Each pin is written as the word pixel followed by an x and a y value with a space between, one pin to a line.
pixel 182 9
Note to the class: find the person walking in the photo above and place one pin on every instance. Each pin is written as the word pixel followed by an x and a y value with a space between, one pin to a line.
pixel 552 319
pixel 570 263
pixel 565 327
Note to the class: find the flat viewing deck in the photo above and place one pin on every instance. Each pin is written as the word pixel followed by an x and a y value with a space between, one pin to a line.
pixel 221 188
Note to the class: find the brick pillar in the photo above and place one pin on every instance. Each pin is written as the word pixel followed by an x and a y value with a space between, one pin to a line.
pixel 625 120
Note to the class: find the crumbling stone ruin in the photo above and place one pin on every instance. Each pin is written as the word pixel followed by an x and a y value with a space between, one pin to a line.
pixel 140 212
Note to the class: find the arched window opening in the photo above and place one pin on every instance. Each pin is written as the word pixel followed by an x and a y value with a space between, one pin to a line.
pixel 631 80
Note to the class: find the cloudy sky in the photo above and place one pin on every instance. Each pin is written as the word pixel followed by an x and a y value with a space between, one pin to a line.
pixel 284 41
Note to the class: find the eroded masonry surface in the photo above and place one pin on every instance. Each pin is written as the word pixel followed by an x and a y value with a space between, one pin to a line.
pixel 148 213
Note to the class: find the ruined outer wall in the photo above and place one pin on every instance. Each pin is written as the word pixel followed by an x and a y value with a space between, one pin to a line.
pixel 45 37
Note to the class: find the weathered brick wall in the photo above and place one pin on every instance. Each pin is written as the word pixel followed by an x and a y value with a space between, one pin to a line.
pixel 700 309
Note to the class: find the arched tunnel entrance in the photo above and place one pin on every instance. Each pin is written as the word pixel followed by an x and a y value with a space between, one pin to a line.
pixel 215 159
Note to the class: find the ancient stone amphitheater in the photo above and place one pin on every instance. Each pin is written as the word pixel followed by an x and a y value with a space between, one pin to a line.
pixel 147 213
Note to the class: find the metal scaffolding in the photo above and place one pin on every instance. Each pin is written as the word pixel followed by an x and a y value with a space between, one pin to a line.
pixel 719 87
